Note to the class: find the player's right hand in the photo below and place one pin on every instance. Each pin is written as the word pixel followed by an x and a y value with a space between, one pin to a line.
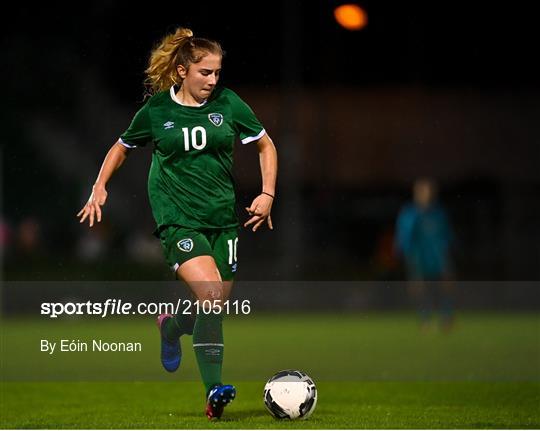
pixel 93 206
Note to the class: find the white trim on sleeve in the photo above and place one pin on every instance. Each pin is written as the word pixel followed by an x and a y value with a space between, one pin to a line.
pixel 126 145
pixel 253 138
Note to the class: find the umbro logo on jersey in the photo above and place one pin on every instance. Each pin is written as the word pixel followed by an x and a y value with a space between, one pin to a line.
pixel 185 245
pixel 168 125
pixel 216 119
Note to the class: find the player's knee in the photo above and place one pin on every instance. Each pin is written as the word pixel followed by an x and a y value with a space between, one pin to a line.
pixel 211 295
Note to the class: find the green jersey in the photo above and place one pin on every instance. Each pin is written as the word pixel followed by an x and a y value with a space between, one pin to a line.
pixel 190 182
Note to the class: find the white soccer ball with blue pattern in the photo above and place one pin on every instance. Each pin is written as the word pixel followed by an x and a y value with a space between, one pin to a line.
pixel 290 394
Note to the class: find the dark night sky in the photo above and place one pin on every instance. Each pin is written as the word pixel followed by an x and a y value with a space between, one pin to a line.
pixel 443 44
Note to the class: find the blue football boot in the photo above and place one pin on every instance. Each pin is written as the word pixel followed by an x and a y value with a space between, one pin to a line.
pixel 218 397
pixel 171 352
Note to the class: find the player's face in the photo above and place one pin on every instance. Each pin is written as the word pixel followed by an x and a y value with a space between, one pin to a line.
pixel 201 78
pixel 423 193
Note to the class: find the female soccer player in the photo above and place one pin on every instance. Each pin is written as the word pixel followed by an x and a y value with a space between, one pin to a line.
pixel 192 125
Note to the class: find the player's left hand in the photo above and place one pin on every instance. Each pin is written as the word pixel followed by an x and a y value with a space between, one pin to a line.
pixel 260 211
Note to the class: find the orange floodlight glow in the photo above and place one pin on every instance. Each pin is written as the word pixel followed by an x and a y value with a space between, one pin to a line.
pixel 351 16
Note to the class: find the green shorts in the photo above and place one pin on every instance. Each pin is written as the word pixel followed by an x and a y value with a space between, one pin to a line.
pixel 181 244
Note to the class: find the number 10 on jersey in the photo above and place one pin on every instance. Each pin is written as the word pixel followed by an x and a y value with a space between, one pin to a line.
pixel 198 130
pixel 233 245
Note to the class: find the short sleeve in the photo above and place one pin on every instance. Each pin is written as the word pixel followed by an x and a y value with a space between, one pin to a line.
pixel 139 132
pixel 246 124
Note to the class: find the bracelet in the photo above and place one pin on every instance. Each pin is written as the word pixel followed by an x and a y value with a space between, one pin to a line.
pixel 264 193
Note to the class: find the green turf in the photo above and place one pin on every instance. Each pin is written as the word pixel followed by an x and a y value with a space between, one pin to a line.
pixel 148 405
pixel 372 371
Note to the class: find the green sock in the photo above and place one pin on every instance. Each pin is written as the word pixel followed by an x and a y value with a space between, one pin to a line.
pixel 179 325
pixel 208 346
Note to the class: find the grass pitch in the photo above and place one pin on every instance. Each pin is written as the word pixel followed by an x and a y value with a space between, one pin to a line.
pixel 160 405
pixel 372 371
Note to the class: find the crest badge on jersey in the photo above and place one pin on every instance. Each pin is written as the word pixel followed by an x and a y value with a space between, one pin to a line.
pixel 185 245
pixel 216 119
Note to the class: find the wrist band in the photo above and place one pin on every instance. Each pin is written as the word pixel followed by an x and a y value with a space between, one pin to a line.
pixel 264 193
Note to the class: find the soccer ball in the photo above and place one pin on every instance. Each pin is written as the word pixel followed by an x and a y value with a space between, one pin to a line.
pixel 290 394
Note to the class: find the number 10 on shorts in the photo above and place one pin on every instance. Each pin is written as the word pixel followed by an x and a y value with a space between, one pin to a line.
pixel 233 245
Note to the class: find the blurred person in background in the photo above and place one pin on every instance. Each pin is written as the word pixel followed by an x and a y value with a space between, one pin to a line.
pixel 423 239
pixel 29 238
pixel 193 124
